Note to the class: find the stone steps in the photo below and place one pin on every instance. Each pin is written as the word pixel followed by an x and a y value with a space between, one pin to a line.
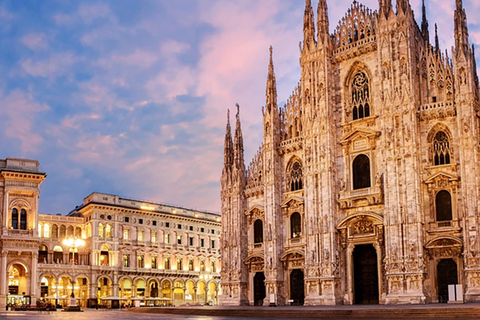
pixel 469 311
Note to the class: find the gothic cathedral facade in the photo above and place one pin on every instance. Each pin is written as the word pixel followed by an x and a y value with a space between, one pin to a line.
pixel 365 188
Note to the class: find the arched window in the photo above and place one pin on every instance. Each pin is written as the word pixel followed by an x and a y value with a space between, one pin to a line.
pixel 104 256
pixel 361 172
pixel 15 218
pixel 154 262
pixel 190 265
pixel 70 231
pixel 40 230
pixel 54 231
pixel 360 96
pixel 46 231
pixel 296 177
pixel 57 254
pixel 126 261
pixel 63 230
pixel 167 264
pixel 179 264
pixel 443 205
pixel 214 266
pixel 202 266
pixel 441 149
pixel 78 232
pixel 23 219
pixel 295 225
pixel 258 231
pixel 140 262
pixel 42 254
pixel 101 230
pixel 108 231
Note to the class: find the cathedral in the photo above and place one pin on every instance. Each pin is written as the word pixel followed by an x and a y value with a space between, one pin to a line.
pixel 365 189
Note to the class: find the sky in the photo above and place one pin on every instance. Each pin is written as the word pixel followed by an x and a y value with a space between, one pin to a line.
pixel 129 97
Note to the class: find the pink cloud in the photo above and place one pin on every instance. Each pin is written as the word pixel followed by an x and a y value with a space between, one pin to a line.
pixel 35 41
pixel 56 65
pixel 21 113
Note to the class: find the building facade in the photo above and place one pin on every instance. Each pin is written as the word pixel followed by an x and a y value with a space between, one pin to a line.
pixel 127 250
pixel 365 189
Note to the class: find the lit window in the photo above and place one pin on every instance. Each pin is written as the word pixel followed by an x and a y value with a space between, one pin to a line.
pixel 167 238
pixel 101 230
pixel 154 237
pixel 126 234
pixel 126 261
pixel 179 239
pixel 140 236
pixel 108 231
pixel 140 262
pixel 46 231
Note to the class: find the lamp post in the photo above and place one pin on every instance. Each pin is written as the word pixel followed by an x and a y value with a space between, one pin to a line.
pixel 73 244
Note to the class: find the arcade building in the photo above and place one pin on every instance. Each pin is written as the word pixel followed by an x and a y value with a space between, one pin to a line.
pixel 109 250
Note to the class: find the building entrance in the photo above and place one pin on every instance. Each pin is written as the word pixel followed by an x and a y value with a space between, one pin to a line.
pixel 446 274
pixel 365 274
pixel 259 288
pixel 297 292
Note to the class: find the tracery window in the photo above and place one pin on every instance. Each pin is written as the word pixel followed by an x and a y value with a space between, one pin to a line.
pixel 361 172
pixel 441 149
pixel 443 206
pixel 296 177
pixel 295 225
pixel 258 231
pixel 15 218
pixel 360 96
pixel 23 219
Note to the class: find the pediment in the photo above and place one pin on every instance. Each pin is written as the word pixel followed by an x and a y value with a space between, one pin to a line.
pixel 292 201
pixel 255 208
pixel 359 134
pixel 255 258
pixel 441 175
pixel 293 255
pixel 444 241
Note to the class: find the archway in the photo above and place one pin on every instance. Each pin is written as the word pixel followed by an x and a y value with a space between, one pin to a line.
pixel 17 284
pixel 166 292
pixel 297 289
pixel 154 289
pixel 259 292
pixel 201 292
pixel 212 294
pixel 190 292
pixel 446 274
pixel 178 293
pixel 365 274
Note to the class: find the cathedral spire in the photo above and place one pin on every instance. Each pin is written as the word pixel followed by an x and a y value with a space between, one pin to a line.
pixel 271 94
pixel 461 30
pixel 402 6
pixel 385 6
pixel 437 44
pixel 308 26
pixel 322 21
pixel 228 146
pixel 238 145
pixel 425 32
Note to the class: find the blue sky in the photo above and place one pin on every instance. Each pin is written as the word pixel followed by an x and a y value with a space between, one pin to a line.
pixel 129 97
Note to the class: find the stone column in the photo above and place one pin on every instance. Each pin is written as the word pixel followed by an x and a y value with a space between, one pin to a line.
pixel 350 270
pixel 34 278
pixel 3 279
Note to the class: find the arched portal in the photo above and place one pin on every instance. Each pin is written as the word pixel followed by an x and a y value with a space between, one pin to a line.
pixel 178 293
pixel 446 274
pixel 18 287
pixel 190 292
pixel 259 292
pixel 365 274
pixel 125 288
pixel 297 289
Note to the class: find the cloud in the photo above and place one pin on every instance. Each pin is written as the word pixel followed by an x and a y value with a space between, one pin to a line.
pixel 138 58
pixel 54 66
pixel 21 120
pixel 90 12
pixel 35 41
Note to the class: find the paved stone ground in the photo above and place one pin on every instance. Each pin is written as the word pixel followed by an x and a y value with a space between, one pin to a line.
pixel 265 313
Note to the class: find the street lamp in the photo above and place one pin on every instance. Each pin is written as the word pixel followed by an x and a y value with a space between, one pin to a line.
pixel 73 244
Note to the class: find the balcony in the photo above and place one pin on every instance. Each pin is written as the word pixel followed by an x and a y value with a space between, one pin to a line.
pixel 446 226
pixel 436 110
pixel 360 197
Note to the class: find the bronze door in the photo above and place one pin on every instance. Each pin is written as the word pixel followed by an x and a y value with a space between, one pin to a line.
pixel 365 274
